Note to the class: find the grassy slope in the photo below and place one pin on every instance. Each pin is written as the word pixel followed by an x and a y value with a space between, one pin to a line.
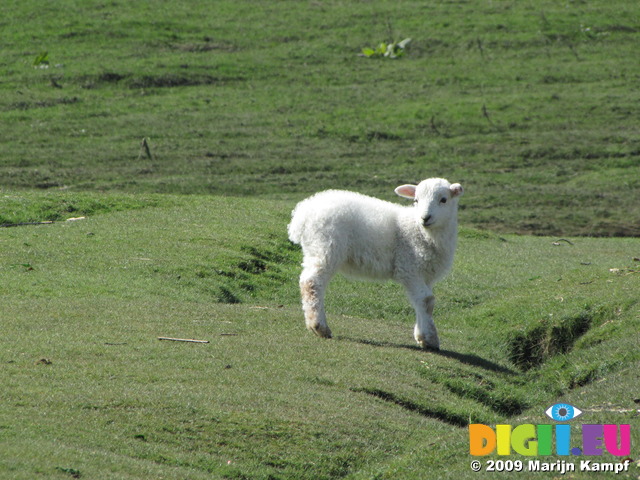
pixel 92 296
pixel 271 102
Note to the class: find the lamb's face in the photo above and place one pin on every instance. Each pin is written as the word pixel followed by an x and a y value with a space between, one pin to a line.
pixel 435 201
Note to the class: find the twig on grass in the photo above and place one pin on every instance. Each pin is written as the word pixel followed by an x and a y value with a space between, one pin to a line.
pixel 144 147
pixel 557 242
pixel 573 49
pixel 485 114
pixel 480 47
pixel 623 271
pixel 190 340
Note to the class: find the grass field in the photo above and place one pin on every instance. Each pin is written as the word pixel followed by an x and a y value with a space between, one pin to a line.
pixel 246 108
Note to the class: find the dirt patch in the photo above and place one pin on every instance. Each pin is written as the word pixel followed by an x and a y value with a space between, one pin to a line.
pixel 170 80
pixel 167 80
pixel 308 292
pixel 53 102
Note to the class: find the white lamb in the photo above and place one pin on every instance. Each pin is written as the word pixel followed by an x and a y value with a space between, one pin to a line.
pixel 369 238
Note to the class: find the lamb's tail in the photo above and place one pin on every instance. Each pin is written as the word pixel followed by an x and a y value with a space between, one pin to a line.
pixel 296 227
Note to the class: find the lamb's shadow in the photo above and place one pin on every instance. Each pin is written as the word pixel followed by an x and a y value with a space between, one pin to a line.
pixel 466 358
pixel 476 361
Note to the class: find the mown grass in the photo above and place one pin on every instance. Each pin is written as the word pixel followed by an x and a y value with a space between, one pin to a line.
pixel 526 104
pixel 249 107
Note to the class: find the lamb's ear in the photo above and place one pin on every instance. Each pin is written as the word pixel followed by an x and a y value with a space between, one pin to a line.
pixel 406 191
pixel 456 189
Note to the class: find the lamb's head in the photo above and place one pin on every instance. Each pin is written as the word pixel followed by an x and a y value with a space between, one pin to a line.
pixel 435 201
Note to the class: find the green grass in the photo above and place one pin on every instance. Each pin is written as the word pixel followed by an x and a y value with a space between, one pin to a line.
pixel 89 388
pixel 526 104
pixel 246 108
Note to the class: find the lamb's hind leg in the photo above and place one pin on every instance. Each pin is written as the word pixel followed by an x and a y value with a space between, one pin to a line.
pixel 313 284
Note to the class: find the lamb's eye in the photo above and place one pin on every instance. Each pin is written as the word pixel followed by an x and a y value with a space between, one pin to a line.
pixel 443 200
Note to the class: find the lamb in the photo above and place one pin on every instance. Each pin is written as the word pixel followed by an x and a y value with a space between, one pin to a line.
pixel 361 236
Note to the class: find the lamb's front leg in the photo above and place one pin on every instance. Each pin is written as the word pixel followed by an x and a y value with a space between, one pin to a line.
pixel 423 301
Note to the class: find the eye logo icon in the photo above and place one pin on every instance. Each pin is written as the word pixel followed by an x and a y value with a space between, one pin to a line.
pixel 563 412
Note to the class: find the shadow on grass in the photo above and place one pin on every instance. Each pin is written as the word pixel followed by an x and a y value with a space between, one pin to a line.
pixel 466 358
pixel 475 361
pixel 437 412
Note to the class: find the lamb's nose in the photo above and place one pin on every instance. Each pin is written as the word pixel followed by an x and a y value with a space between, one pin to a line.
pixel 426 221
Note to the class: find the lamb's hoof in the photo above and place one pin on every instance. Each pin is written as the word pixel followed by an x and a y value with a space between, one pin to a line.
pixel 429 344
pixel 322 331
